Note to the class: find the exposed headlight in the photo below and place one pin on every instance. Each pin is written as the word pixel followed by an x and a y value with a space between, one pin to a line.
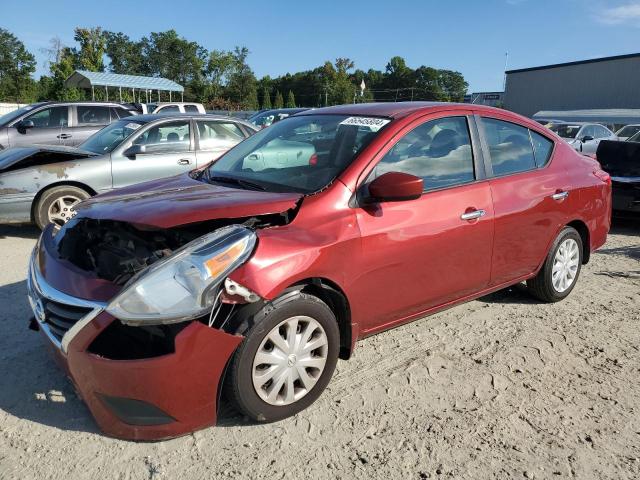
pixel 184 285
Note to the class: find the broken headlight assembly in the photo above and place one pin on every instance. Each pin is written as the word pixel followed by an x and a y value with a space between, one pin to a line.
pixel 184 285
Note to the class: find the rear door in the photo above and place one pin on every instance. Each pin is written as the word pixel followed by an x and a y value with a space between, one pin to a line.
pixel 215 137
pixel 424 253
pixel 88 120
pixel 169 151
pixel 529 193
pixel 51 127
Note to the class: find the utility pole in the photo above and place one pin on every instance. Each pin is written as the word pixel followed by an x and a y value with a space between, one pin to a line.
pixel 506 62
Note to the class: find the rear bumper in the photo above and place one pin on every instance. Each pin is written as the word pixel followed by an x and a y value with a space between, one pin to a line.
pixel 143 399
pixel 15 208
pixel 626 194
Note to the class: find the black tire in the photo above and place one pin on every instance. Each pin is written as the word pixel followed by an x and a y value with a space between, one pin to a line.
pixel 49 197
pixel 239 388
pixel 541 286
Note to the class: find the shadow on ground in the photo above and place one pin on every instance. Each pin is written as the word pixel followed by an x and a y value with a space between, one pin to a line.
pixel 32 386
pixel 19 231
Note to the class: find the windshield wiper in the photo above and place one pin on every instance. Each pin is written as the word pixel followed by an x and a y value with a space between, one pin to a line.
pixel 236 181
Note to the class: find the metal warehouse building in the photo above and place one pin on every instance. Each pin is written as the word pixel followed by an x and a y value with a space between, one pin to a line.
pixel 602 83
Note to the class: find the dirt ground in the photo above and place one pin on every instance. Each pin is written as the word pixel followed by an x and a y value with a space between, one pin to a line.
pixel 502 387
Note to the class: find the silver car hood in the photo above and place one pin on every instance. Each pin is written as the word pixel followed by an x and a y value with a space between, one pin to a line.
pixel 13 158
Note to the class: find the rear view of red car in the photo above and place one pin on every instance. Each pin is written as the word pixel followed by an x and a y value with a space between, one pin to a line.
pixel 252 277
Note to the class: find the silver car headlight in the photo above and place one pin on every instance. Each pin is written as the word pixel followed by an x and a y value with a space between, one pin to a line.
pixel 184 285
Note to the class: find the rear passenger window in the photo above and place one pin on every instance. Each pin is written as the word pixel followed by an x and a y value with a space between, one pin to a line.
pixel 191 109
pixel 509 147
pixel 542 148
pixel 93 115
pixel 119 113
pixel 438 151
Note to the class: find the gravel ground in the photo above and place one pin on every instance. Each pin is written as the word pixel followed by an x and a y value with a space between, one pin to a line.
pixel 502 387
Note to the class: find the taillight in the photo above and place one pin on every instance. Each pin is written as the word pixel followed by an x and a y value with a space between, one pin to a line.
pixel 313 159
pixel 602 175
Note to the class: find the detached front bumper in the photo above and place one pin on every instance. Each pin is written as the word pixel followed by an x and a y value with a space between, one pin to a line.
pixel 143 399
pixel 626 194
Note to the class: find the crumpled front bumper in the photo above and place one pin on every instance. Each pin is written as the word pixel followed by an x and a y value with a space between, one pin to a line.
pixel 145 399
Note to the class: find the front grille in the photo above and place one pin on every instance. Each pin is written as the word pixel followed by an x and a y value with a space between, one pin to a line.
pixel 60 317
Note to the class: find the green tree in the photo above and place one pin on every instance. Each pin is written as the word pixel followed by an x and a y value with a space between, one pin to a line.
pixel 90 55
pixel 453 85
pixel 266 98
pixel 242 83
pixel 125 55
pixel 17 65
pixel 219 66
pixel 291 100
pixel 278 102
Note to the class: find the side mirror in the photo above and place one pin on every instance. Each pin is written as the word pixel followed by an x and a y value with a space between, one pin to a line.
pixel 395 187
pixel 25 125
pixel 586 138
pixel 134 150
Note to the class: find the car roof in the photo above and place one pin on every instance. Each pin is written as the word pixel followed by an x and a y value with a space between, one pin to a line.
pixel 396 109
pixel 82 102
pixel 152 117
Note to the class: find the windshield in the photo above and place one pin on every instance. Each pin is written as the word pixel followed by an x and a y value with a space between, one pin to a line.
pixel 8 117
pixel 300 154
pixel 628 131
pixel 565 131
pixel 105 140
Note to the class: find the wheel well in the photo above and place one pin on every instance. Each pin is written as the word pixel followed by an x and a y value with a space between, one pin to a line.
pixel 36 199
pixel 334 297
pixel 583 230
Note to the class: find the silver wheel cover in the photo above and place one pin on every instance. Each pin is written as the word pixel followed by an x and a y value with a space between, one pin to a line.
pixel 290 360
pixel 565 265
pixel 61 210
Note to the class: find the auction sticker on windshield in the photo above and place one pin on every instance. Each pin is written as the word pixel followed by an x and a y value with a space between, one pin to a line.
pixel 374 124
pixel 132 126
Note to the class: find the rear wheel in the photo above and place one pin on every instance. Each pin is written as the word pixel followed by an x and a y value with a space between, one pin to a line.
pixel 56 205
pixel 286 360
pixel 561 269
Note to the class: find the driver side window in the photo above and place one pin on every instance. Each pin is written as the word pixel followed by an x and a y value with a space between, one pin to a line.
pixel 438 151
pixel 53 117
pixel 166 137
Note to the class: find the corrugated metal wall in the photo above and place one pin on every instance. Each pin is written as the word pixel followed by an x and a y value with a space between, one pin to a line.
pixel 611 83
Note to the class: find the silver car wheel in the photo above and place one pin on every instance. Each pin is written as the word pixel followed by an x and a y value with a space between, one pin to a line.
pixel 61 211
pixel 565 265
pixel 290 360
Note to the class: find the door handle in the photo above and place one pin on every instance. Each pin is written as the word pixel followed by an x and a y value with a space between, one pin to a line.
pixel 560 196
pixel 472 215
pixel 64 136
pixel 184 161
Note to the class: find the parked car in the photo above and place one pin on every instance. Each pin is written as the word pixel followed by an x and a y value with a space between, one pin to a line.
pixel 583 137
pixel 58 123
pixel 43 184
pixel 159 296
pixel 172 107
pixel 621 160
pixel 268 117
pixel 627 132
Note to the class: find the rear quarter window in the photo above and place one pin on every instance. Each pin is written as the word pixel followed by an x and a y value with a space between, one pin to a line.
pixel 542 148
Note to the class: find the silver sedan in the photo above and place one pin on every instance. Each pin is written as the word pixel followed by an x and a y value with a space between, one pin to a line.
pixel 42 184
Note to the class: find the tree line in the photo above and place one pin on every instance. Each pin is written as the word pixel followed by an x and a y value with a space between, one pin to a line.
pixel 219 79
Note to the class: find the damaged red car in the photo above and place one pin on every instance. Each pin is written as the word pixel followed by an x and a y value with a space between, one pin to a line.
pixel 251 277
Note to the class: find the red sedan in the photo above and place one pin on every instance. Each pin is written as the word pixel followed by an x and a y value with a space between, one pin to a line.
pixel 253 276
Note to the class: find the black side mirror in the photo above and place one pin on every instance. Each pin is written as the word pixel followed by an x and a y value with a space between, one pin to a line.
pixel 134 150
pixel 586 138
pixel 25 125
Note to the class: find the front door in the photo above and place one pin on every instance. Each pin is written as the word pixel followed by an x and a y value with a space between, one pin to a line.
pixel 168 151
pixel 50 127
pixel 427 252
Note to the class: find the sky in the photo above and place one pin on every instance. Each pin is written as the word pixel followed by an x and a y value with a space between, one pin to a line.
pixel 469 36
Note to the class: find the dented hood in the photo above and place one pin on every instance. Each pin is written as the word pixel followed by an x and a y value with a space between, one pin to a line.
pixel 13 158
pixel 181 200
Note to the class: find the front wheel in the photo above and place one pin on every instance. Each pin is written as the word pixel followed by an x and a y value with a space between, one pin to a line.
pixel 56 205
pixel 561 269
pixel 286 359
